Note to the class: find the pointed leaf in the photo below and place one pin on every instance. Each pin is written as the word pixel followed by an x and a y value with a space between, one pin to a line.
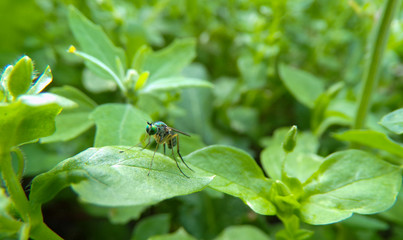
pixel 305 87
pixel 173 83
pixel 43 81
pixel 20 77
pixel 237 174
pixel 109 177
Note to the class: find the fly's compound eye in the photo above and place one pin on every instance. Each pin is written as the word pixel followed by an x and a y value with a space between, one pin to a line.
pixel 151 129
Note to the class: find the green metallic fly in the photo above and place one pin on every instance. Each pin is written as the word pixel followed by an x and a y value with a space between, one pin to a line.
pixel 167 136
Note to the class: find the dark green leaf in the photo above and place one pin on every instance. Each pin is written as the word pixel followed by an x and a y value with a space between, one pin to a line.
pixel 180 234
pixel 349 182
pixel 151 226
pixel 242 232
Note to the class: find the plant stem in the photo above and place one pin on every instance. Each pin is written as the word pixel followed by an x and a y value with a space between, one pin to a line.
pixel 370 76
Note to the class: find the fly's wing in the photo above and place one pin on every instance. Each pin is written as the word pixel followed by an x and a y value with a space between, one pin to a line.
pixel 176 130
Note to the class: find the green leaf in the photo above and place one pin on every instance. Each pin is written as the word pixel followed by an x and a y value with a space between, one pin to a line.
pixel 171 60
pixel 154 225
pixel 122 215
pixel 349 182
pixel 237 174
pixel 301 163
pixel 305 87
pixel 372 139
pixel 96 43
pixel 118 124
pixel 242 232
pixel 174 83
pixel 394 121
pixel 72 122
pixel 22 123
pixel 20 77
pixel 109 177
pixel 42 82
pixel 180 234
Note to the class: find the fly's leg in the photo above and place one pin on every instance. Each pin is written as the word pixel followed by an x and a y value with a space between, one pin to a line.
pixel 152 160
pixel 173 154
pixel 177 149
pixel 164 148
pixel 149 140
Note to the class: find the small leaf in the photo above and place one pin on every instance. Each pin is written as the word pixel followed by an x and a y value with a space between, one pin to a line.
pixel 109 177
pixel 173 83
pixel 237 174
pixel 290 140
pixel 118 124
pixel 242 232
pixel 141 80
pixel 372 139
pixel 20 77
pixel 394 121
pixel 43 81
pixel 305 87
pixel 171 60
pixel 349 182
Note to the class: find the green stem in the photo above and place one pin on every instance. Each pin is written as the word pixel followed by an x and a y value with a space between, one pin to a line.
pixel 30 214
pixel 370 76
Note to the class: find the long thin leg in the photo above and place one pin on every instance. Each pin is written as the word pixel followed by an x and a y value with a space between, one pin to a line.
pixel 149 138
pixel 176 161
pixel 177 149
pixel 164 148
pixel 152 160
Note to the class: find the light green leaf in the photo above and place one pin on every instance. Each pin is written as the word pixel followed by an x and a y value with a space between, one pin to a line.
pixel 174 83
pixel 20 77
pixel 154 225
pixel 171 60
pixel 119 124
pixel 72 122
pixel 43 81
pixel 96 84
pixel 46 98
pixel 180 234
pixel 305 87
pixel 114 176
pixel 394 121
pixel 372 139
pixel 22 123
pixel 349 182
pixel 96 43
pixel 237 174
pixel 242 232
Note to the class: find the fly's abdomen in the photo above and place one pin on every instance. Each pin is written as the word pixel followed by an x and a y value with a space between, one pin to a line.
pixel 172 143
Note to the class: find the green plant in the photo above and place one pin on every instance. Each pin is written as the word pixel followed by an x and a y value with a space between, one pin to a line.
pixel 299 176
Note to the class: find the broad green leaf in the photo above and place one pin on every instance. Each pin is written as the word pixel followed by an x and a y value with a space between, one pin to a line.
pixel 118 124
pixel 22 123
pixel 395 213
pixel 115 176
pixel 171 60
pixel 301 163
pixel 42 82
pixel 20 77
pixel 305 87
pixel 180 234
pixel 174 83
pixel 72 122
pixel 394 121
pixel 96 43
pixel 151 226
pixel 237 174
pixel 349 182
pixel 372 139
pixel 96 84
pixel 243 232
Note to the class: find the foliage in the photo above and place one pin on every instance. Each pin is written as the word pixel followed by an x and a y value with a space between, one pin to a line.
pixel 232 75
